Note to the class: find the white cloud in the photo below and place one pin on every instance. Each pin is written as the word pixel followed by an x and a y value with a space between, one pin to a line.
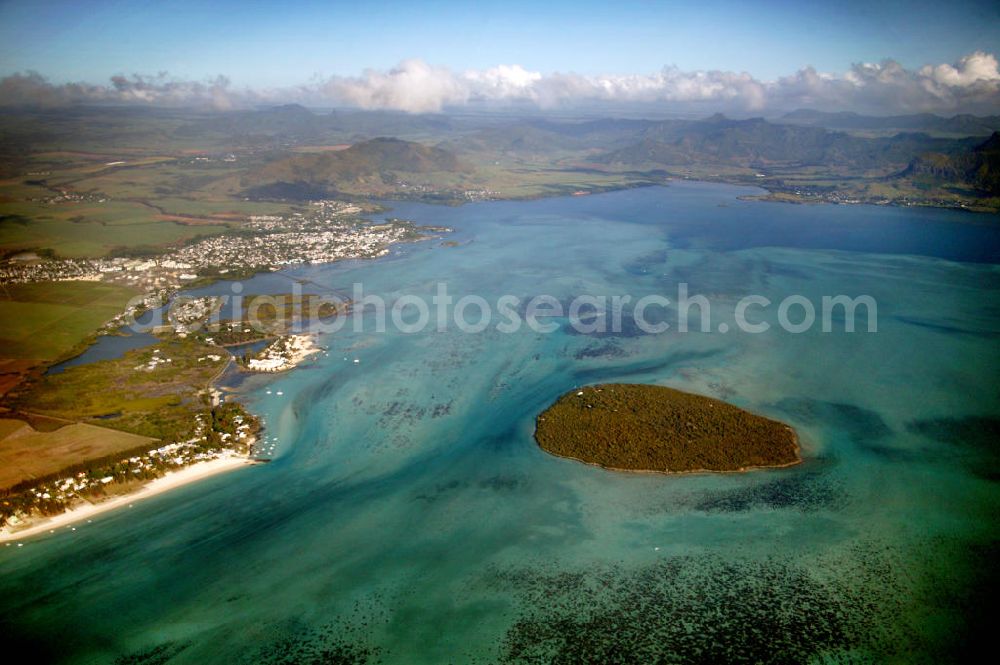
pixel 502 81
pixel 417 87
pixel 159 90
pixel 970 85
pixel 162 90
pixel 972 69
pixel 412 86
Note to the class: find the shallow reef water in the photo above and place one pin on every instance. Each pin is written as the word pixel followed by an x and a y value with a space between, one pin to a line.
pixel 409 517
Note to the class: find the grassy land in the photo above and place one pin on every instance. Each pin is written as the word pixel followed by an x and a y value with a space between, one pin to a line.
pixel 109 425
pixel 222 207
pixel 48 320
pixel 26 453
pixel 528 180
pixel 653 428
pixel 150 391
pixel 91 229
pixel 150 201
pixel 276 313
pixel 154 202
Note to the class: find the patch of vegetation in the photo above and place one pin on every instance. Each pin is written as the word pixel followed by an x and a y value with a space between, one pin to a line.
pixel 158 655
pixel 653 428
pixel 279 312
pixel 90 229
pixel 28 453
pixel 150 391
pixel 47 321
pixel 215 430
pixel 260 317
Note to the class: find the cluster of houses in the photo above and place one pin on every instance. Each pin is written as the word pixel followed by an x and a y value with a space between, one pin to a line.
pixel 54 496
pixel 328 232
pixel 283 353
pixel 64 196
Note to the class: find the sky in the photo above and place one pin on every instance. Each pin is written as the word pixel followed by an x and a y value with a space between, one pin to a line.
pixel 269 50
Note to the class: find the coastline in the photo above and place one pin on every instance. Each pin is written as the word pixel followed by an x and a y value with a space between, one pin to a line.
pixel 172 480
pixel 304 345
pixel 297 349
pixel 688 472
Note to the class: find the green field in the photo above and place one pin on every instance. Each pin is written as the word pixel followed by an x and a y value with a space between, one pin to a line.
pixel 534 180
pixel 46 321
pixel 150 201
pixel 150 391
pixel 79 230
pixel 26 453
pixel 223 207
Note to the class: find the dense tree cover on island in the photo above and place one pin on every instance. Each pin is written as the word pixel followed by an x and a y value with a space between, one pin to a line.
pixel 653 428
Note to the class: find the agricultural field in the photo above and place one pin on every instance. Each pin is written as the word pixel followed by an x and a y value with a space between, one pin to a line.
pixel 47 321
pixel 95 210
pixel 227 209
pixel 28 453
pixel 94 229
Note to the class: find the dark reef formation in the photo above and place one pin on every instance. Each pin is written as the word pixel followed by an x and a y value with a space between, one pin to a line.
pixel 704 609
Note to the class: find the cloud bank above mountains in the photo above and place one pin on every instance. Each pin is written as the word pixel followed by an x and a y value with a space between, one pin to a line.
pixel 971 85
pixel 160 90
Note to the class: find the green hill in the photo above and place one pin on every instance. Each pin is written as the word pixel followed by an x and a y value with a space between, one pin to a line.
pixel 289 120
pixel 959 125
pixel 371 164
pixel 978 167
pixel 757 143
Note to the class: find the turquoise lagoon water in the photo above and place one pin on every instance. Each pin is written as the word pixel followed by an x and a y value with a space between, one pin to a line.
pixel 408 516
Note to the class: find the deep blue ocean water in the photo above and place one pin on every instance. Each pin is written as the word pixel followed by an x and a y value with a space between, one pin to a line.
pixel 409 517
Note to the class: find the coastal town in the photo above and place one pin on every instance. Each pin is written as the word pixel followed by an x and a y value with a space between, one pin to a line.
pixel 196 336
pixel 220 431
pixel 224 432
pixel 329 231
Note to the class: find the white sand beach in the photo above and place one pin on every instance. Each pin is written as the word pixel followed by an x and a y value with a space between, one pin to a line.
pixel 172 480
pixel 285 353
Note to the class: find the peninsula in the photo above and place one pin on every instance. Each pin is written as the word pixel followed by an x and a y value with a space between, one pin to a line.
pixel 85 440
pixel 632 427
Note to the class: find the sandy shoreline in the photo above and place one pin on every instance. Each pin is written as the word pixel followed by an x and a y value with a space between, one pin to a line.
pixel 172 480
pixel 297 348
pixel 300 347
pixel 303 346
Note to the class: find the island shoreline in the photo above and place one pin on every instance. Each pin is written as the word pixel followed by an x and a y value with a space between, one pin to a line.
pixel 647 428
pixel 687 472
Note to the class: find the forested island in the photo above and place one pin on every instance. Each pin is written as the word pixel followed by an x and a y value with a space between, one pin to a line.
pixel 632 427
